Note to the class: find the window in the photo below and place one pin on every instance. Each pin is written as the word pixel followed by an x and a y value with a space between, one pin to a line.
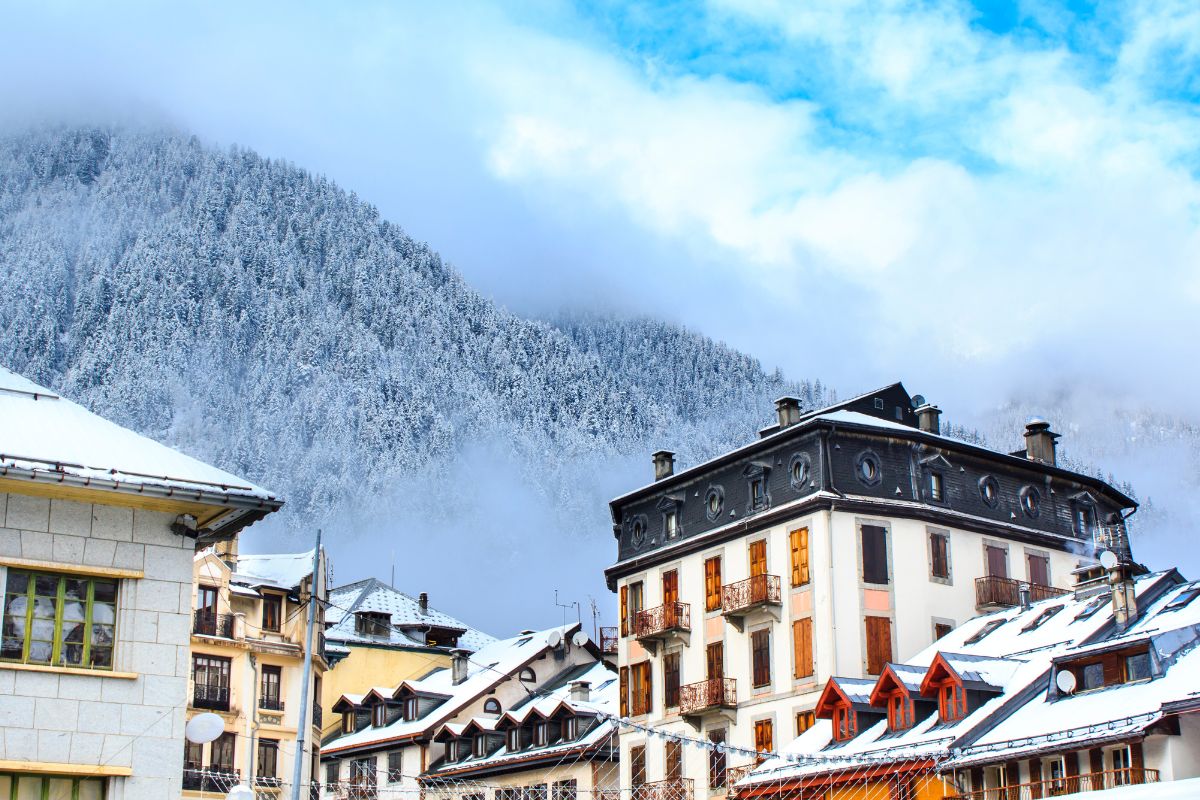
pixel 347 722
pixel 941 630
pixel 370 623
pixel 223 749
pixel 758 558
pixel 395 766
pixel 983 632
pixel 331 772
pixel 715 660
pixel 714 502
pixel 639 675
pixel 268 758
pixel 362 777
pixel 989 491
pixel 210 682
pixel 845 723
pixel 1041 618
pixel 671 680
pixel 804 721
pixel 491 706
pixel 540 729
pixel 936 487
pixel 952 702
pixel 1093 676
pixel 479 745
pixel 452 750
pixel 411 708
pixel 527 675
pixel 1122 764
pixel 1058 773
pixel 900 712
pixel 802 647
pixel 564 790
pixel 799 545
pixel 671 523
pixel 712 583
pixel 637 533
pixel 716 759
pixel 760 650
pixel 874 554
pixel 569 729
pixel 1039 569
pixel 269 692
pixel 20 786
pixel 758 493
pixel 1084 515
pixel 631 604
pixel 1031 501
pixel 272 612
pixel 378 715
pixel 995 561
pixel 637 765
pixel 673 753
pixel 65 620
pixel 939 555
pixel 764 741
pixel 1182 599
pixel 868 470
pixel 1137 667
pixel 798 471
pixel 879 644
pixel 513 738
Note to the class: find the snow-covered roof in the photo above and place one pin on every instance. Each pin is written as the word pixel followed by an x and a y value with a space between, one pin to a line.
pixel 44 433
pixel 407 620
pixel 279 570
pixel 492 664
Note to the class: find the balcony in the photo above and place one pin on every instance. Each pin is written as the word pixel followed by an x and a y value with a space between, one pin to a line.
pixel 662 622
pixel 673 789
pixel 206 622
pixel 211 697
pixel 213 779
pixel 267 782
pixel 1054 787
pixel 608 641
pixel 714 694
pixel 741 598
pixel 268 703
pixel 735 774
pixel 992 591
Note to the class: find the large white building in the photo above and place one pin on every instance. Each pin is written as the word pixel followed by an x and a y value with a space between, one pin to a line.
pixel 838 541
pixel 98 527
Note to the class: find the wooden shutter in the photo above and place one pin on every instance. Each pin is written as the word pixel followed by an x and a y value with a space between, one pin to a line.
pixel 670 587
pixel 997 561
pixel 1071 760
pixel 637 765
pixel 716 660
pixel 712 583
pixel 624 688
pixel 760 642
pixel 802 647
pixel 758 558
pixel 799 542
pixel 671 680
pixel 939 555
pixel 763 737
pixel 1137 760
pixel 874 554
pixel 879 644
pixel 1035 777
pixel 674 760
pixel 1096 757
pixel 624 610
pixel 1039 570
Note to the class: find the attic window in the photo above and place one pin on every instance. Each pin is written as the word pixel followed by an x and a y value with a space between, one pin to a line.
pixel 539 734
pixel 937 489
pixel 900 712
pixel 637 532
pixel 527 675
pixel 867 469
pixel 1084 516
pixel 513 740
pixel 378 716
pixel 989 491
pixel 845 723
pixel 671 523
pixel 491 706
pixel 879 404
pixel 479 746
pixel 347 722
pixel 570 729
pixel 1182 599
pixel 798 471
pixel 714 501
pixel 758 492
pixel 1037 621
pixel 1094 605
pixel 1031 501
pixel 410 709
pixel 952 702
pixel 372 623
pixel 983 632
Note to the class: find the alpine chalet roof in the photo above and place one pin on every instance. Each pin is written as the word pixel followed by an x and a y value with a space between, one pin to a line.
pixel 279 570
pixel 375 595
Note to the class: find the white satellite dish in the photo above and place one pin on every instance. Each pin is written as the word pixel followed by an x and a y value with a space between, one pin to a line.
pixel 554 638
pixel 203 728
pixel 240 792
pixel 579 639
pixel 1108 559
pixel 1066 681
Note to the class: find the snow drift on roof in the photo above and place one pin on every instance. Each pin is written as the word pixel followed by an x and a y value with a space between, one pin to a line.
pixel 281 570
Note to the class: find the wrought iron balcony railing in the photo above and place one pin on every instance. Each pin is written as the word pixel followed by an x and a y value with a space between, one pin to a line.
pixel 608 641
pixel 216 779
pixel 210 696
pixel 657 622
pixel 210 623
pixel 760 590
pixel 709 695
pixel 993 590
pixel 270 703
pixel 1071 784
pixel 670 789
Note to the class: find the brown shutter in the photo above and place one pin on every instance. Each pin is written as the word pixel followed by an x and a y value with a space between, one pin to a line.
pixel 624 610
pixel 799 542
pixel 758 558
pixel 1137 761
pixel 670 584
pixel 997 561
pixel 1012 777
pixel 976 779
pixel 624 688
pixel 648 687
pixel 874 554
pixel 671 680
pixel 716 660
pixel 802 646
pixel 1035 777
pixel 712 583
pixel 879 644
pixel 1071 760
pixel 760 643
pixel 1096 757
pixel 674 761
pixel 1114 670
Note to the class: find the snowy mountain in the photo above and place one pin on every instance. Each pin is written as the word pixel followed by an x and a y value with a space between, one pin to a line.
pixel 265 320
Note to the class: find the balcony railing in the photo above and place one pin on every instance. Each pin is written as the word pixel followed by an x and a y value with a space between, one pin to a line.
pixel 321 644
pixel 269 703
pixel 992 590
pixel 673 789
pixel 760 590
pixel 210 696
pixel 608 641
pixel 714 693
pixel 212 779
pixel 653 623
pixel 1054 787
pixel 735 774
pixel 210 623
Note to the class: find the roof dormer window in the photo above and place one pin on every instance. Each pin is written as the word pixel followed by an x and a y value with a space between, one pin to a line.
pixel 372 623
pixel 845 724
pixel 378 715
pixel 347 722
pixel 411 710
pixel 952 702
pixel 513 740
pixel 570 729
pixel 900 712
pixel 479 745
pixel 539 734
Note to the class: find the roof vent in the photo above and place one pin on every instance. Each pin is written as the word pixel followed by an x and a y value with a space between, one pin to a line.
pixel 423 602
pixel 1040 441
pixel 788 411
pixel 664 464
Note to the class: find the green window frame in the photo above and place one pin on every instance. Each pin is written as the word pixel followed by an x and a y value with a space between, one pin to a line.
pixel 59 619
pixel 19 785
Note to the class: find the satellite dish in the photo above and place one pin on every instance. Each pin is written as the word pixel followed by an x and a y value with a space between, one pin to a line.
pixel 579 639
pixel 1066 681
pixel 918 400
pixel 203 728
pixel 1108 559
pixel 240 792
pixel 554 638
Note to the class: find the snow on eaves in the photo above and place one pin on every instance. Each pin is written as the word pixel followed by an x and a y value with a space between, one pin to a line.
pixel 281 570
pixel 42 431
pixel 405 611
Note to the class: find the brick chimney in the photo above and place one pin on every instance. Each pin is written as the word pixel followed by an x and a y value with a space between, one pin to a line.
pixel 1040 441
pixel 581 691
pixel 664 464
pixel 458 665
pixel 927 418
pixel 788 411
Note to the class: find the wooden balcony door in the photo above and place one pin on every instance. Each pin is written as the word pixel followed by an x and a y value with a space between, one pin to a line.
pixel 758 558
pixel 997 561
pixel 670 593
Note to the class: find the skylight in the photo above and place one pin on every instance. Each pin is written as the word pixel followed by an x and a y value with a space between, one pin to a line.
pixel 985 630
pixel 1094 605
pixel 1037 621
pixel 1182 599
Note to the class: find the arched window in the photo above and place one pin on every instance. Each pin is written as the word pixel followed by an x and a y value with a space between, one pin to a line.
pixel 528 675
pixel 491 706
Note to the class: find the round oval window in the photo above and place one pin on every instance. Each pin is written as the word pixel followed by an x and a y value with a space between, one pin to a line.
pixel 638 536
pixel 714 500
pixel 1031 501
pixel 799 471
pixel 989 491
pixel 868 469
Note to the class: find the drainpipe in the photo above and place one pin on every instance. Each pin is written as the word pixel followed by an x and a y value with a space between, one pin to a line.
pixel 827 457
pixel 251 718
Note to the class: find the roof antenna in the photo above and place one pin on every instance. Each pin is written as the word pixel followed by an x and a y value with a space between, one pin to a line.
pixel 393 583
pixel 565 606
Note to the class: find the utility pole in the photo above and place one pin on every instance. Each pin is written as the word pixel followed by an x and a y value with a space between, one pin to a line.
pixel 302 732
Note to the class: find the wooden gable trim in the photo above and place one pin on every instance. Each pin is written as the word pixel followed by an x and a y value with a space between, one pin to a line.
pixel 832 697
pixel 939 673
pixel 889 683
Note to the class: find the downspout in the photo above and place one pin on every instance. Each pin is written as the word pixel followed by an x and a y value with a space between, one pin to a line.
pixel 251 719
pixel 827 459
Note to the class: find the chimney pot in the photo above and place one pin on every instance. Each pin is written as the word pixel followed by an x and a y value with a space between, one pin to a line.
pixel 788 411
pixel 458 665
pixel 1040 441
pixel 581 691
pixel 928 418
pixel 1023 596
pixel 423 602
pixel 664 464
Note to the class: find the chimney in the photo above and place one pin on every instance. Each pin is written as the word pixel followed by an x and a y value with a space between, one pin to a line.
pixel 664 464
pixel 788 411
pixel 581 691
pixel 1040 441
pixel 458 665
pixel 1124 598
pixel 927 418
pixel 1023 596
pixel 423 603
